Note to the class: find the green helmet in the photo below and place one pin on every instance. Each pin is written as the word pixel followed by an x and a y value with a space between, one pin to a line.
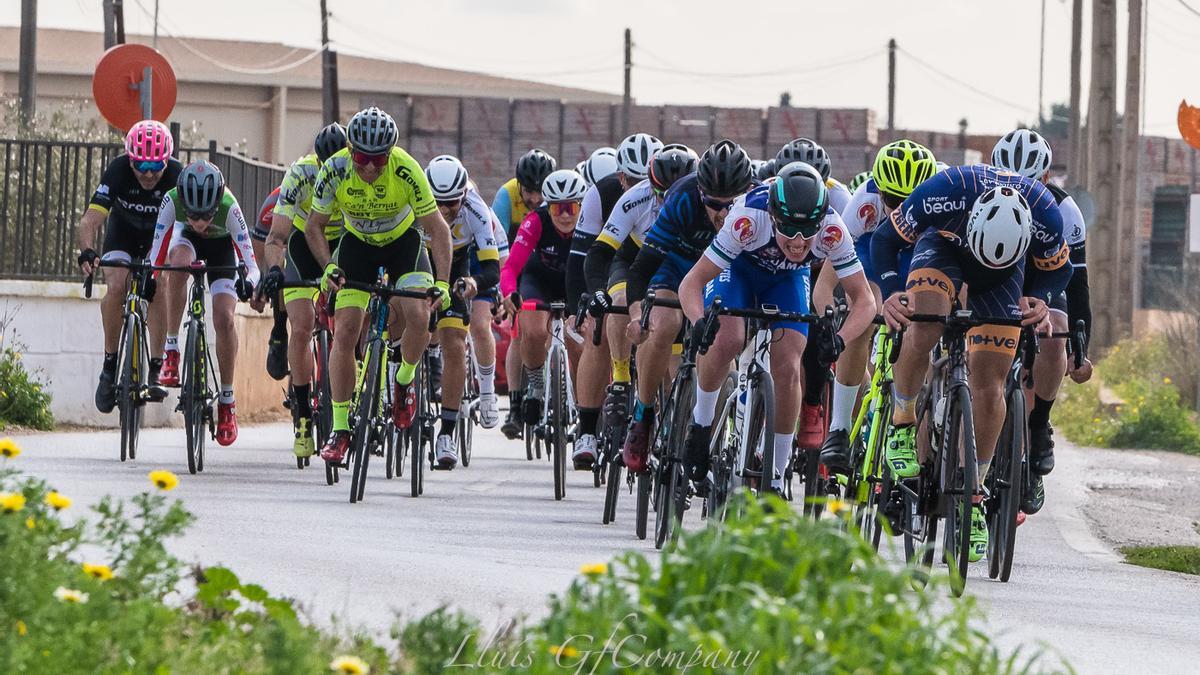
pixel 901 166
pixel 859 178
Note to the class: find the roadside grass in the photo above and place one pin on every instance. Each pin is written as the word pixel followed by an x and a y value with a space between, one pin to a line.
pixel 1184 559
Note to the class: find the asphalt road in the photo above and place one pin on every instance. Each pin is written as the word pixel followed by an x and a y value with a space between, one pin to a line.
pixel 491 539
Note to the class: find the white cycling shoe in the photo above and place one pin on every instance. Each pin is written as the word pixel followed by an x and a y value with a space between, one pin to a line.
pixel 444 452
pixel 584 455
pixel 489 411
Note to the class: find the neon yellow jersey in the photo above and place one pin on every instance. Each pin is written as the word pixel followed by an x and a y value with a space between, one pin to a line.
pixel 377 213
pixel 517 208
pixel 296 193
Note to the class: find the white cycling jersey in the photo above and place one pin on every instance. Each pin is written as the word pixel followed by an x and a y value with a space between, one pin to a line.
pixel 839 194
pixel 632 216
pixel 864 211
pixel 474 225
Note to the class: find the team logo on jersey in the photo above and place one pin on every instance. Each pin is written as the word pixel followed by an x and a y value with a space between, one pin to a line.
pixel 743 229
pixel 831 237
pixel 948 235
pixel 380 190
pixel 102 189
pixel 867 214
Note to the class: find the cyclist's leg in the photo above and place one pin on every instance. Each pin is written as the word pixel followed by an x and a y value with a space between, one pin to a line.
pixel 181 252
pixel 452 328
pixel 1049 367
pixel 789 292
pixel 484 342
pixel 408 263
pixel 712 369
pixel 121 243
pixel 990 352
pixel 219 252
pixel 359 262
pixel 301 315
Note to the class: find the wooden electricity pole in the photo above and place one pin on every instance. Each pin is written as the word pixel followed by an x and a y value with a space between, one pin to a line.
pixel 891 89
pixel 1075 168
pixel 627 99
pixel 26 63
pixel 1129 211
pixel 1103 177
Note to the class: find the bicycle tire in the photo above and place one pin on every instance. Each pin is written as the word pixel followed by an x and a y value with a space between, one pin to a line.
pixel 643 504
pixel 673 497
pixel 870 490
pixel 132 383
pixel 557 421
pixel 194 386
pixel 611 491
pixel 961 480
pixel 919 515
pixel 723 461
pixel 368 407
pixel 1005 492
pixel 415 436
pixel 761 409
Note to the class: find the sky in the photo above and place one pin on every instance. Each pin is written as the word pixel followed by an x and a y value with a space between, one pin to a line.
pixel 973 59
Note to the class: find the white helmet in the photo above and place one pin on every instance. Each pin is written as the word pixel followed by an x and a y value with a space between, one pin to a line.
pixel 564 185
pixel 1023 151
pixel 999 228
pixel 634 155
pixel 447 177
pixel 581 169
pixel 601 163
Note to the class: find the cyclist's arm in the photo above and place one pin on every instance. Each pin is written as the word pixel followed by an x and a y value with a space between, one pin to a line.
pixel 162 231
pixel 691 291
pixel 485 247
pixel 1052 259
pixel 1079 302
pixel 89 226
pixel 886 243
pixel 644 267
pixel 518 254
pixel 314 236
pixel 862 306
pixel 235 223
pixel 441 243
pixel 577 282
pixel 281 229
pixel 596 265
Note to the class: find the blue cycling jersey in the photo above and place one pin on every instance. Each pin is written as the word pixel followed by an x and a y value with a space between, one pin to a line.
pixel 682 229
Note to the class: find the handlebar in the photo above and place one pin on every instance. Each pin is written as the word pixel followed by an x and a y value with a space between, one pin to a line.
pixel 197 267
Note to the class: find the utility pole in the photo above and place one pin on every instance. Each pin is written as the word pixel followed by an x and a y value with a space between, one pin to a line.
pixel 1075 170
pixel 155 43
pixel 27 65
pixel 1129 212
pixel 330 105
pixel 119 17
pixel 891 89
pixel 110 36
pixel 1042 65
pixel 627 101
pixel 1103 171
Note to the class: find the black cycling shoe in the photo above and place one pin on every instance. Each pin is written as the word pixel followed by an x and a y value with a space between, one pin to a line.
pixel 512 425
pixel 156 393
pixel 616 411
pixel 696 447
pixel 531 410
pixel 1034 496
pixel 1041 450
pixel 835 452
pixel 277 358
pixel 106 392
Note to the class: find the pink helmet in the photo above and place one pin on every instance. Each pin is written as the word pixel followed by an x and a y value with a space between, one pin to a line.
pixel 149 140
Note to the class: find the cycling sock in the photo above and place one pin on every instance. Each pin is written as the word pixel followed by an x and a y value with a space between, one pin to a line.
pixel 588 419
pixel 984 468
pixel 1039 417
pixel 110 362
pixel 302 399
pixel 226 395
pixel 844 397
pixel 706 406
pixel 487 377
pixel 515 396
pixel 534 380
pixel 279 328
pixel 449 420
pixel 904 404
pixel 341 415
pixel 172 342
pixel 405 373
pixel 620 370
pixel 783 452
pixel 643 412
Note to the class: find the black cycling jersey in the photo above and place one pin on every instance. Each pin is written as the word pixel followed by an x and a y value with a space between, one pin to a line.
pixel 124 200
pixel 609 189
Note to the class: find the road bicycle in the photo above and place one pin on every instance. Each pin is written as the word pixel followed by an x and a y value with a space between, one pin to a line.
pixel 134 389
pixel 321 398
pixel 555 428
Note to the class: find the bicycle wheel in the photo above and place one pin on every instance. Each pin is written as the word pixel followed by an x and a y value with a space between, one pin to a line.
pixel 612 488
pixel 415 436
pixel 557 421
pixel 367 414
pixel 193 395
pixel 760 445
pixel 134 373
pixel 673 496
pixel 642 514
pixel 1004 488
pixel 958 481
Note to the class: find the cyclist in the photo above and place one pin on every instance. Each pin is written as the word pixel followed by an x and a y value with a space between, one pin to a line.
pixel 971 225
pixel 200 219
pixel 1026 152
pixel 633 158
pixel 514 200
pixel 810 152
pixel 277 343
pixel 766 171
pixel 900 167
pixel 602 162
pixel 472 236
pixel 538 261
pixel 859 178
pixel 288 258
pixel 692 212
pixel 762 256
pixel 128 198
pixel 606 266
pixel 483 311
pixel 382 193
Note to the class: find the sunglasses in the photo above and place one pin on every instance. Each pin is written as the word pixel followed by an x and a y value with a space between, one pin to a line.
pixel 450 204
pixel 363 159
pixel 207 215
pixel 564 208
pixel 791 231
pixel 146 166
pixel 716 204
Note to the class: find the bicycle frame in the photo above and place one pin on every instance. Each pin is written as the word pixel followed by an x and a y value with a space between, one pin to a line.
pixel 871 407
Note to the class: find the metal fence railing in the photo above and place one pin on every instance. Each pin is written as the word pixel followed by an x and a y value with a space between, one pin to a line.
pixel 45 187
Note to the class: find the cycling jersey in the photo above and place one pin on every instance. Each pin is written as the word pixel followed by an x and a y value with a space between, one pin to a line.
pixel 266 214
pixel 839 194
pixel 1077 297
pixel 228 226
pixel 472 228
pixel 539 254
pixel 510 208
pixel 296 193
pixel 863 213
pixel 942 205
pixel 749 235
pixel 598 204
pixel 121 197
pixel 609 256
pixel 377 213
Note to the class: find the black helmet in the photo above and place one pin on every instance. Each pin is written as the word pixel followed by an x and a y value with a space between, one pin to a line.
pixel 533 167
pixel 328 141
pixel 805 150
pixel 201 187
pixel 766 171
pixel 798 200
pixel 724 170
pixel 372 131
pixel 669 165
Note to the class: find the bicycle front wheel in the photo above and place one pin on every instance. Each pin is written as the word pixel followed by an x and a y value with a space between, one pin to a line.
pixel 193 394
pixel 368 409
pixel 958 487
pixel 1004 487
pixel 557 421
pixel 134 375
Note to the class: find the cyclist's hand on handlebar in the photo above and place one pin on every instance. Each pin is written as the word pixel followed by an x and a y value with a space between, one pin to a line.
pixel 512 303
pixel 634 330
pixel 244 289
pixel 896 311
pixel 1034 312
pixel 87 261
pixel 599 304
pixel 707 332
pixel 829 349
pixel 149 288
pixel 466 288
pixel 333 278
pixel 1081 374
pixel 439 296
pixel 271 282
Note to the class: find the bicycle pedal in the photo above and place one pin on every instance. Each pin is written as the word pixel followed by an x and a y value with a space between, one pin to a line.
pixel 154 394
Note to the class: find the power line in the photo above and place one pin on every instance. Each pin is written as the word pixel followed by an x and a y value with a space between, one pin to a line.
pixel 671 68
pixel 966 85
pixel 1189 8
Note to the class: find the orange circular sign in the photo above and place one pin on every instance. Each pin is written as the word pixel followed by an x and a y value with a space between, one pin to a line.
pixel 1189 124
pixel 114 85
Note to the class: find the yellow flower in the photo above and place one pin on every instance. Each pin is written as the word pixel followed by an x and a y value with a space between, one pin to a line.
pixel 836 506
pixel 349 665
pixel 567 651
pixel 57 500
pixel 1095 420
pixel 164 480
pixel 21 629
pixel 101 572
pixel 8 448
pixel 1166 380
pixel 11 501
pixel 70 595
pixel 30 523
pixel 594 570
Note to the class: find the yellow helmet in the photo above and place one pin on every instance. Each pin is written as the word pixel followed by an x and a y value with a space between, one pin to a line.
pixel 900 166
